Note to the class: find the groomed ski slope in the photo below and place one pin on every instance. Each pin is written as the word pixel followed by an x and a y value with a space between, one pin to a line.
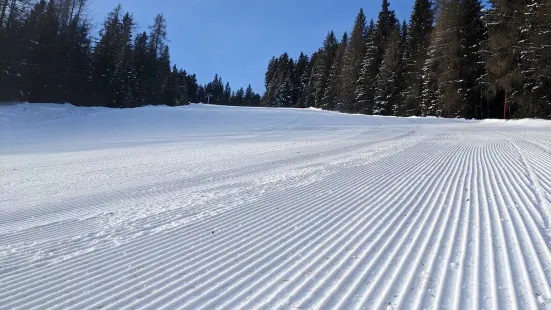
pixel 206 207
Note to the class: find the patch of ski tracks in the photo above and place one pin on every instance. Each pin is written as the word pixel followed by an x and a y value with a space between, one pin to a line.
pixel 409 217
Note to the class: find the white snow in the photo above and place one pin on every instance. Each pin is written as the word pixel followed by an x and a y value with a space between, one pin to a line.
pixel 207 207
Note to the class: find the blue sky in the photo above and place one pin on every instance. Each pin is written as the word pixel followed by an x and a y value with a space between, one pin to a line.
pixel 237 38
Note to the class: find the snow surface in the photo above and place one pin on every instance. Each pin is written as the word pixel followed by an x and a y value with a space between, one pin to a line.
pixel 207 207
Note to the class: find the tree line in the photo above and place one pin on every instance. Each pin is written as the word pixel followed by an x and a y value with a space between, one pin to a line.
pixel 48 54
pixel 453 58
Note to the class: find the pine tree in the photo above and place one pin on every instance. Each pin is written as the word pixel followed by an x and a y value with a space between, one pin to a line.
pixel 238 98
pixel 41 75
pixel 122 81
pixel 155 74
pixel 535 46
pixel 279 70
pixel 140 70
pixel 181 91
pixel 167 78
pixel 269 82
pixel 201 96
pixel 320 70
pixel 47 55
pixel 13 52
pixel 352 62
pixel 105 59
pixel 284 92
pixel 388 81
pixel 415 53
pixel 249 97
pixel 332 96
pixel 226 97
pixel 308 97
pixel 365 86
pixel 386 23
pixel 215 90
pixel 301 75
pixel 170 93
pixel 78 59
pixel 472 72
pixel 400 108
pixel 191 87
pixel 503 51
pixel 442 64
pixel 454 69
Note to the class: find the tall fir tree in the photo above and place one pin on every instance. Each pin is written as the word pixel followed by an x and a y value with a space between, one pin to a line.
pixel 226 95
pixel 105 59
pixel 201 95
pixel 238 98
pixel 47 55
pixel 300 80
pixel 122 80
pixel 214 90
pixel 534 48
pixel 278 73
pixel 165 73
pixel 140 70
pixel 320 71
pixel 248 100
pixel 42 76
pixel 180 86
pixel 415 53
pixel 470 54
pixel 156 75
pixel 284 94
pixel 270 82
pixel 389 80
pixel 191 86
pixel 308 97
pixel 503 51
pixel 352 62
pixel 332 97
pixel 384 29
pixel 169 92
pixel 14 30
pixel 455 61
pixel 78 57
pixel 365 86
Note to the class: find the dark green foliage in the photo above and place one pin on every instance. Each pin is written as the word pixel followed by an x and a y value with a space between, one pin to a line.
pixel 300 80
pixel 352 63
pixel 384 29
pixel 226 96
pixel 320 72
pixel 238 98
pixel 365 86
pixel 215 90
pixel 47 55
pixel 415 52
pixel 389 81
pixel 464 65
pixel 281 83
pixel 332 97
pixel 454 66
pixel 201 94
pixel 518 56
